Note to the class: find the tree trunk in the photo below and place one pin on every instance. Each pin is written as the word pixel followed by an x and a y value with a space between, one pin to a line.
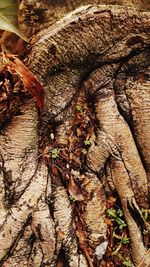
pixel 60 169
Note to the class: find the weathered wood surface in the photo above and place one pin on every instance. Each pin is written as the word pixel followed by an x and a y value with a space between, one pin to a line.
pixel 37 14
pixel 100 53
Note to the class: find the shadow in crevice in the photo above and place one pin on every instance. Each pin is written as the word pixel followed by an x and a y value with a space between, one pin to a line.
pixel 62 262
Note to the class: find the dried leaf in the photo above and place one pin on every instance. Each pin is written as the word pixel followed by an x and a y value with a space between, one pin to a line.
pixel 112 199
pixel 108 221
pixel 7 41
pixel 75 173
pixel 74 190
pixel 54 170
pixel 9 17
pixel 61 234
pixel 101 249
pixel 84 151
pixel 80 234
pixel 28 79
pixel 71 139
pixel 79 132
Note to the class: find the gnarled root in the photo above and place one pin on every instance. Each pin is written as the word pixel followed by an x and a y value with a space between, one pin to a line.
pixel 115 142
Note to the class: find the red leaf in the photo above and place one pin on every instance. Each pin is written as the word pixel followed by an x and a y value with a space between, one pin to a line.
pixel 29 80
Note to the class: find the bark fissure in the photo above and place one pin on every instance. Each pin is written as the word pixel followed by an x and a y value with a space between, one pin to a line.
pixel 94 67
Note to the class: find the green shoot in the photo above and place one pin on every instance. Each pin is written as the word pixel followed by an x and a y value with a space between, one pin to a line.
pixel 54 153
pixel 115 216
pixel 87 142
pixel 127 263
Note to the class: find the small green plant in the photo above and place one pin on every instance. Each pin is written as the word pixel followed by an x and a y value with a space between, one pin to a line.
pixel 123 240
pixel 72 199
pixel 117 216
pixel 120 257
pixel 54 153
pixel 87 141
pixel 127 263
pixel 119 234
pixel 145 214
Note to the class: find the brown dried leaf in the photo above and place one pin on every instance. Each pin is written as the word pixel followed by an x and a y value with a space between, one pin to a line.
pixel 74 190
pixel 29 80
pixel 71 139
pixel 54 170
pixel 79 132
pixel 61 234
pixel 108 221
pixel 7 41
pixel 112 199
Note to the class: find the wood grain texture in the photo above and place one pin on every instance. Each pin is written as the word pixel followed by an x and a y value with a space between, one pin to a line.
pixel 96 57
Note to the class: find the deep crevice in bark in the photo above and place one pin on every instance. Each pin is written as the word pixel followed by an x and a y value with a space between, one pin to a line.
pixel 74 62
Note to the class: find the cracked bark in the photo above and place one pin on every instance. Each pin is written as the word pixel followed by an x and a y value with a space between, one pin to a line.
pixel 100 53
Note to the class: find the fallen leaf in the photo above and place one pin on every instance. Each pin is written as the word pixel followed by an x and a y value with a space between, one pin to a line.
pixel 54 170
pixel 74 190
pixel 112 199
pixel 29 80
pixel 75 173
pixel 60 233
pixel 108 221
pixel 101 249
pixel 7 41
pixel 79 132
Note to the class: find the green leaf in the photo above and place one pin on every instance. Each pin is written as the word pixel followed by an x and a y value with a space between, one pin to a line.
pixel 9 17
pixel 87 142
pixel 127 263
pixel 111 213
pixel 120 257
pixel 120 212
pixel 54 153
pixel 117 249
pixel 121 223
pixel 125 240
pixel 145 214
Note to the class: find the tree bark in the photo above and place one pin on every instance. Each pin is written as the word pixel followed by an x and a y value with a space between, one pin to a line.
pixel 60 168
pixel 35 15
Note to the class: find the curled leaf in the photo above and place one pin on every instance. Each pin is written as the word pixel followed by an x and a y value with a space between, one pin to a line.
pixel 29 80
